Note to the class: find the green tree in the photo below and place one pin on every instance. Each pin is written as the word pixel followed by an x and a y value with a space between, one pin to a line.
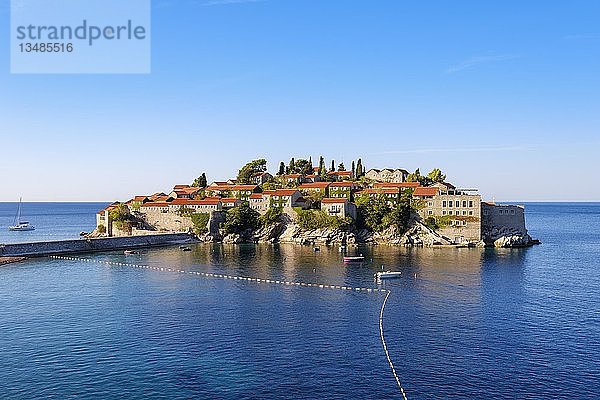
pixel 353 169
pixel 359 169
pixel 310 161
pixel 303 167
pixel 253 167
pixel 322 167
pixel 240 219
pixel 341 167
pixel 398 216
pixel 332 165
pixel 436 175
pixel 200 221
pixel 292 166
pixel 415 176
pixel 281 168
pixel 272 216
pixel 372 211
pixel 200 181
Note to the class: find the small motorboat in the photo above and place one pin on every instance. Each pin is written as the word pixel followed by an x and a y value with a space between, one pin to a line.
pixel 186 248
pixel 388 275
pixel 130 252
pixel 353 259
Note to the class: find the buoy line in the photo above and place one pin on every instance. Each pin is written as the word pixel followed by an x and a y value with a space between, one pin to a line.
pixel 385 349
pixel 268 281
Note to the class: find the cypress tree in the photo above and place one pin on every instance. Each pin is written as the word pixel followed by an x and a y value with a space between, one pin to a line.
pixel 353 169
pixel 332 165
pixel 281 168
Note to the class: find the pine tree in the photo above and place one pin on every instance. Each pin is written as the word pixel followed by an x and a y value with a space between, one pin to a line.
pixel 292 166
pixel 353 169
pixel 281 168
pixel 359 169
pixel 321 166
pixel 332 165
pixel 310 161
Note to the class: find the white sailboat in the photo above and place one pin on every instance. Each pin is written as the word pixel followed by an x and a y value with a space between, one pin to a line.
pixel 21 226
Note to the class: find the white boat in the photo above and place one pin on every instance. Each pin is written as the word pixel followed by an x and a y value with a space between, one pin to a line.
pixel 21 226
pixel 388 275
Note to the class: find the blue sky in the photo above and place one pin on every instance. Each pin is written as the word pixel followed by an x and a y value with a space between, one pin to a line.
pixel 503 96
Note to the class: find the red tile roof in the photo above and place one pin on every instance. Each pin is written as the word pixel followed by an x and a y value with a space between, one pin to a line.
pixel 314 185
pixel 342 184
pixel 156 204
pixel 340 173
pixel 242 187
pixel 334 201
pixel 426 191
pixel 188 202
pixel 396 185
pixel 381 191
pixel 230 200
pixel 282 192
pixel 256 195
pixel 292 176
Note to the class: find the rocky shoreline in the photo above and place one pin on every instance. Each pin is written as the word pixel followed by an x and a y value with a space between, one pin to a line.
pixel 10 260
pixel 418 234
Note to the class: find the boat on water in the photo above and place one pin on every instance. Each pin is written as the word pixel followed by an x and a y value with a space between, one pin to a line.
pixel 388 275
pixel 353 259
pixel 130 252
pixel 20 226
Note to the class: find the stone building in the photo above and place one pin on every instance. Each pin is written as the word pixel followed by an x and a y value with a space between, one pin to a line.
pixel 387 175
pixel 457 214
pixel 339 207
pixel 315 187
pixel 342 189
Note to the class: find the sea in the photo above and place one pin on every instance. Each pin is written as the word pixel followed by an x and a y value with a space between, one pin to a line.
pixel 459 323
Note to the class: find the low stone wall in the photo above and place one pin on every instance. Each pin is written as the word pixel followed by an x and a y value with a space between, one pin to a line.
pixel 92 245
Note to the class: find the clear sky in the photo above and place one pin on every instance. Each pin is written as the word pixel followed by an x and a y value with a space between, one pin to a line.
pixel 504 96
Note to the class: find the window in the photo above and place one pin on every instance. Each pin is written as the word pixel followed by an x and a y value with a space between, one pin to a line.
pixel 430 212
pixel 464 212
pixel 430 204
pixel 450 212
pixel 471 204
pixel 443 212
pixel 470 212
pixel 464 203
pixel 444 203
pixel 512 212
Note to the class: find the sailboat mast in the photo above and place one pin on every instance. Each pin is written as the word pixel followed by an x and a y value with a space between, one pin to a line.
pixel 18 221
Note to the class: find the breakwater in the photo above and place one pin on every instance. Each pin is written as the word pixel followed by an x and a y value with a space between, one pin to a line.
pixel 40 249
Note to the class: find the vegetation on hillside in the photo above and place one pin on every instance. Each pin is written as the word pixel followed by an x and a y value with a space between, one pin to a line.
pixel 247 171
pixel 240 219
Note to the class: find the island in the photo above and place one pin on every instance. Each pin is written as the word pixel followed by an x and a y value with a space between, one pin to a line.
pixel 324 204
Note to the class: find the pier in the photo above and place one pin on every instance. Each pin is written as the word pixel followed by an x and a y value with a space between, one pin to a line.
pixel 80 246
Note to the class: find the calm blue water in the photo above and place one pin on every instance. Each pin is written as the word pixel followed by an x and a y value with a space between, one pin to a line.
pixel 53 221
pixel 493 324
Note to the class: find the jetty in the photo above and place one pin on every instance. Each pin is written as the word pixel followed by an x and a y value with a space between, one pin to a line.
pixel 88 245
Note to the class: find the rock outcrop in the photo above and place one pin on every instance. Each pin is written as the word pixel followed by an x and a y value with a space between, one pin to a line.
pixel 504 237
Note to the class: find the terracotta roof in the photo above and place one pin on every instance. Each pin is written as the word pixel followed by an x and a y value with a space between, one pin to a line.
pixel 156 204
pixel 179 187
pixel 292 176
pixel 188 202
pixel 109 207
pixel 243 187
pixel 230 200
pixel 340 173
pixel 342 184
pixel 332 201
pixel 282 192
pixel 426 191
pixel 381 191
pixel 314 185
pixel 256 195
pixel 396 185
pixel 220 183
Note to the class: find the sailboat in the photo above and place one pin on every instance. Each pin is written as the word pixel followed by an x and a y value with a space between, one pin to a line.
pixel 19 225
